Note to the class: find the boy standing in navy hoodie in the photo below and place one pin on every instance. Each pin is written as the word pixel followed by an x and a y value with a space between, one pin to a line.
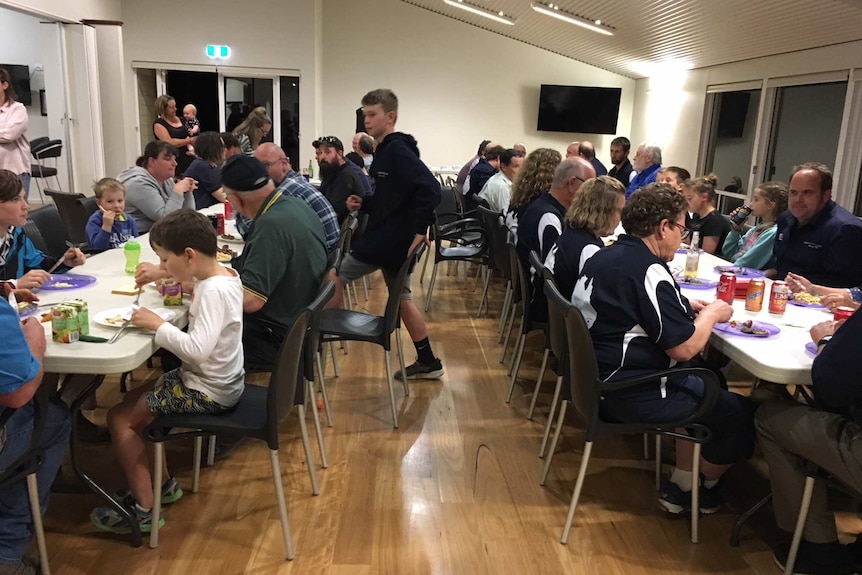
pixel 400 211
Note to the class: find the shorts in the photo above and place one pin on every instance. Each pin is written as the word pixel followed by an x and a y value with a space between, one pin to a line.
pixel 169 397
pixel 353 269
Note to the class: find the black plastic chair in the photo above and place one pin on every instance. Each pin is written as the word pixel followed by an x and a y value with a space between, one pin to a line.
pixel 52 229
pixel 258 415
pixel 586 391
pixel 498 258
pixel 26 467
pixel 349 325
pixel 45 151
pixel 471 245
pixel 73 213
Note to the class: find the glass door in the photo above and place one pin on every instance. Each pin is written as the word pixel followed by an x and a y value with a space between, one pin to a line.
pixel 242 95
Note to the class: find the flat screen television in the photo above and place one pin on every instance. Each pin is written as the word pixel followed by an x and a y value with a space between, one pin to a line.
pixel 583 109
pixel 20 76
pixel 731 114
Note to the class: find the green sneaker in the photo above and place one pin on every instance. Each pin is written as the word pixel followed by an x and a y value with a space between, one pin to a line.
pixel 107 519
pixel 171 492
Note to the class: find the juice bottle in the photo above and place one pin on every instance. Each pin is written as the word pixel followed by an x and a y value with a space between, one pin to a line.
pixel 692 257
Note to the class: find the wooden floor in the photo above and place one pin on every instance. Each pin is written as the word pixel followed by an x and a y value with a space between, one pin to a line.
pixel 454 490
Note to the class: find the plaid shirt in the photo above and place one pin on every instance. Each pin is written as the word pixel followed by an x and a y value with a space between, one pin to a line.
pixel 296 186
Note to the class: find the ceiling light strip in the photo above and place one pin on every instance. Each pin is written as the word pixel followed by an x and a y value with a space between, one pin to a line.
pixel 500 16
pixel 554 12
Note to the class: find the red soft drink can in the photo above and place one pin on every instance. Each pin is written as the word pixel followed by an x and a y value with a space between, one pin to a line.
pixel 228 211
pixel 778 297
pixel 754 297
pixel 726 287
pixel 842 312
pixel 220 218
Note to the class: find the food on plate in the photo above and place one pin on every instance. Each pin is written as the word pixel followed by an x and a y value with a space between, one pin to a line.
pixel 225 254
pixel 731 270
pixel 115 320
pixel 61 285
pixel 23 305
pixel 228 237
pixel 806 298
pixel 747 326
pixel 692 281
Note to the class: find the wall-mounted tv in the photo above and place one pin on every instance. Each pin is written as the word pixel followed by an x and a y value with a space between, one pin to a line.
pixel 583 109
pixel 731 114
pixel 20 76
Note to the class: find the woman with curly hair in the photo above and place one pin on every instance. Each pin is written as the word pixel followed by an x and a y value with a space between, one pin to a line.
pixel 253 129
pixel 535 177
pixel 641 323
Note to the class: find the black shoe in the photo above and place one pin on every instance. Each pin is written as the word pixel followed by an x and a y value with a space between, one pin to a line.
pixel 89 432
pixel 678 502
pixel 422 371
pixel 817 559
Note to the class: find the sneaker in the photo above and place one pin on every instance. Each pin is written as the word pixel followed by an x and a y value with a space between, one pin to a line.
pixel 421 371
pixel 817 559
pixel 107 518
pixel 171 492
pixel 675 501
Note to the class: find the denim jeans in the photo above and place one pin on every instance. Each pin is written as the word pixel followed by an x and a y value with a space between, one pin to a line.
pixel 16 523
pixel 25 183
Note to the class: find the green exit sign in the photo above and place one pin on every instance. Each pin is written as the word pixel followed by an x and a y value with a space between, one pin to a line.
pixel 218 52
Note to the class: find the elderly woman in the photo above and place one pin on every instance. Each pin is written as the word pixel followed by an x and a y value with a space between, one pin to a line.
pixel 206 170
pixel 595 212
pixel 535 177
pixel 151 191
pixel 253 129
pixel 19 259
pixel 170 128
pixel 641 323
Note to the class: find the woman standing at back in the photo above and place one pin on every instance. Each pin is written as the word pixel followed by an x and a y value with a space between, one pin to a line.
pixel 170 128
pixel 14 147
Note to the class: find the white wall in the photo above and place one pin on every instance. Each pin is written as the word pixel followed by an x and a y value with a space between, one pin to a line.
pixel 72 10
pixel 275 35
pixel 456 84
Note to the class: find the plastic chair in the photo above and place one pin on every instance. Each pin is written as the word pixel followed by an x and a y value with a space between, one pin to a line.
pixel 258 415
pixel 42 152
pixel 348 325
pixel 528 323
pixel 52 229
pixel 586 392
pixel 471 246
pixel 73 213
pixel 498 258
pixel 26 466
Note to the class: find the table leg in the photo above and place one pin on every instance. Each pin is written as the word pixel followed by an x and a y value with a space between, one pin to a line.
pixel 737 527
pixel 74 450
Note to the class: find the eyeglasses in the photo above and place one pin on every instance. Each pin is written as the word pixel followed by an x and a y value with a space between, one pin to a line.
pixel 270 164
pixel 683 231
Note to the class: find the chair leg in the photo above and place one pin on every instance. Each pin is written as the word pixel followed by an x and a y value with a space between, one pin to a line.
pixel 365 286
pixel 504 311
pixel 36 511
pixel 196 466
pixel 508 332
pixel 554 400
pixel 311 400
pixel 211 449
pixel 483 302
pixel 424 266
pixel 282 506
pixel 159 457
pixel 123 378
pixel 538 384
pixel 646 446
pixel 349 297
pixel 401 361
pixel 553 448
pixel 695 493
pixel 334 358
pixel 322 383
pixel 807 492
pixel 306 446
pixel 588 447
pixel 516 365
pixel 657 460
pixel 391 389
pixel 431 287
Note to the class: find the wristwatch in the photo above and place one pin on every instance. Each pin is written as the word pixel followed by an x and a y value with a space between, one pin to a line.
pixel 824 340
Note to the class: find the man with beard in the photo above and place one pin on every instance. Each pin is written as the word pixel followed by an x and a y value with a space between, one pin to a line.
pixel 338 180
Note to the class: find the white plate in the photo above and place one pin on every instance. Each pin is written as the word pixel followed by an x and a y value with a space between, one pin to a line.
pixel 117 316
pixel 237 239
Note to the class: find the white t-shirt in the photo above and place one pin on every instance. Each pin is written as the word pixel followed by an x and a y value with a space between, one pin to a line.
pixel 211 351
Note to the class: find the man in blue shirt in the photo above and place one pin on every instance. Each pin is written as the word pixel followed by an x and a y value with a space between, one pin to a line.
pixel 647 164
pixel 20 376
pixel 816 238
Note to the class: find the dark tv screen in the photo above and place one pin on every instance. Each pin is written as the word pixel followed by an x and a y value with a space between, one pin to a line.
pixel 20 76
pixel 583 109
pixel 731 114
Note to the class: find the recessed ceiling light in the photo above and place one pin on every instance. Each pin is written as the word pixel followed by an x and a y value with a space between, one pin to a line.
pixel 484 12
pixel 555 12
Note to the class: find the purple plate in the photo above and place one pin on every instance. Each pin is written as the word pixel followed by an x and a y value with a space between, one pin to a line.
pixel 681 251
pixel 770 329
pixel 28 310
pixel 791 301
pixel 701 283
pixel 811 348
pixel 59 282
pixel 740 271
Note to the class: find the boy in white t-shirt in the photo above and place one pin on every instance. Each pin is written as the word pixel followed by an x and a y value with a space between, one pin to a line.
pixel 211 379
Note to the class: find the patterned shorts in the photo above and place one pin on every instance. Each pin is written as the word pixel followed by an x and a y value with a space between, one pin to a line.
pixel 170 396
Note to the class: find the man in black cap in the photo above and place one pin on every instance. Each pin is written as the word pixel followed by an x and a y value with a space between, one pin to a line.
pixel 338 179
pixel 284 259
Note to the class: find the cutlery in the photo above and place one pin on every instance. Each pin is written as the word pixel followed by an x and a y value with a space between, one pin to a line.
pixel 80 246
pixel 126 323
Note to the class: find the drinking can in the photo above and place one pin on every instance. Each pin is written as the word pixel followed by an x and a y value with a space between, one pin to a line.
pixel 754 297
pixel 778 297
pixel 739 218
pixel 214 221
pixel 228 211
pixel 220 224
pixel 842 312
pixel 726 287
